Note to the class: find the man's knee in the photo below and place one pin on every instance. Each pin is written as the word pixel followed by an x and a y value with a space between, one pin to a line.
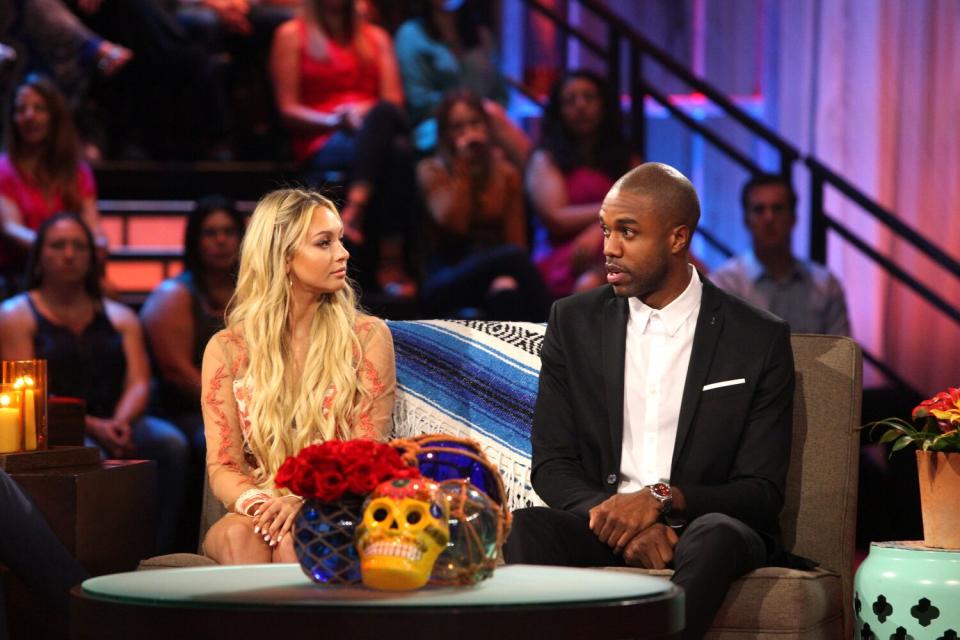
pixel 529 523
pixel 715 535
pixel 532 527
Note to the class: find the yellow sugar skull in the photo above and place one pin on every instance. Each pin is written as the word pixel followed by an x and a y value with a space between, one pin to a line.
pixel 404 529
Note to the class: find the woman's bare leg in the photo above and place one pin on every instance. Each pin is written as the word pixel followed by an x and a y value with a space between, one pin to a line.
pixel 283 552
pixel 232 541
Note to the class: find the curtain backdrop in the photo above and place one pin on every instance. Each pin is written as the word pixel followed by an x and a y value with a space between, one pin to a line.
pixel 869 87
pixel 872 89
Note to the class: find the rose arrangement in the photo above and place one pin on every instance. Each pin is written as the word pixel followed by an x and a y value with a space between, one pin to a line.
pixel 329 470
pixel 935 425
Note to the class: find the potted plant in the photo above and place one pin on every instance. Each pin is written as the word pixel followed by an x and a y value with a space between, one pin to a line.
pixel 935 430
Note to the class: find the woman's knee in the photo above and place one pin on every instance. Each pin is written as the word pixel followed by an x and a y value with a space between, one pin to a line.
pixel 284 551
pixel 232 541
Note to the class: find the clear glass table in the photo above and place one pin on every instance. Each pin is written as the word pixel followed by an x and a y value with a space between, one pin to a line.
pixel 519 601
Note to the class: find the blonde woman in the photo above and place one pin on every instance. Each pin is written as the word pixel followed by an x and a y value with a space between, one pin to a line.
pixel 296 364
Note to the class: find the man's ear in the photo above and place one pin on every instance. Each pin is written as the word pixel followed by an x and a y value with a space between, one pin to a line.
pixel 680 240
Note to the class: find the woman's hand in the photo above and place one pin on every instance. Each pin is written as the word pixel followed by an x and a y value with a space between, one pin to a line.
pixel 115 436
pixel 273 519
pixel 587 249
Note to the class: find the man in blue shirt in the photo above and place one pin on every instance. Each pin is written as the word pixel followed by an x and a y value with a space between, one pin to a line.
pixel 803 293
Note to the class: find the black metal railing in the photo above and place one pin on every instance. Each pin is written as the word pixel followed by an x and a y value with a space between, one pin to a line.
pixel 639 50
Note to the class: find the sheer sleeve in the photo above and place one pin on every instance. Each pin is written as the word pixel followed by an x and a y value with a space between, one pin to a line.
pixel 228 473
pixel 378 376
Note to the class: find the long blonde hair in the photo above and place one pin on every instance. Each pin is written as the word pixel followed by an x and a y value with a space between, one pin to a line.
pixel 286 411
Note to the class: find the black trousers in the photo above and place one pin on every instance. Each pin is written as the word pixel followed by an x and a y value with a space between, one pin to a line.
pixel 33 552
pixel 713 551
pixel 465 283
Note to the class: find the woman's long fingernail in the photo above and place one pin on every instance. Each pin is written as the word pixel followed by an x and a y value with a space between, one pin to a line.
pixel 256 529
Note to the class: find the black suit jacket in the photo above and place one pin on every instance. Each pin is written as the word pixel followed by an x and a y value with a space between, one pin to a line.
pixel 733 442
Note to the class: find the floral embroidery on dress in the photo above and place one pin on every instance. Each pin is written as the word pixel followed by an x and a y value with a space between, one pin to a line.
pixel 223 426
pixel 242 392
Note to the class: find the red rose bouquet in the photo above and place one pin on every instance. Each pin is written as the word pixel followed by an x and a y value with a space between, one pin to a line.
pixel 329 470
pixel 935 424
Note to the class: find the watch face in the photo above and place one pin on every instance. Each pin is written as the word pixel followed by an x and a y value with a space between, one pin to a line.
pixel 660 490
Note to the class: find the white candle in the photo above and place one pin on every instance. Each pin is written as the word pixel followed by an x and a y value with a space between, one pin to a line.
pixel 9 429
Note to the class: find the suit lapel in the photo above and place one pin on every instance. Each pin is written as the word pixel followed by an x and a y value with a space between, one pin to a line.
pixel 613 340
pixel 705 339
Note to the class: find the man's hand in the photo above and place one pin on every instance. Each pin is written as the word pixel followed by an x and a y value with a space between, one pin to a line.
pixel 619 518
pixel 652 548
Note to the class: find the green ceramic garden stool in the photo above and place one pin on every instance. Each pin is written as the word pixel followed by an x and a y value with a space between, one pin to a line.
pixel 906 591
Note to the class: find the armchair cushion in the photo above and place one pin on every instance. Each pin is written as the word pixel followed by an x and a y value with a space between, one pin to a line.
pixel 777 602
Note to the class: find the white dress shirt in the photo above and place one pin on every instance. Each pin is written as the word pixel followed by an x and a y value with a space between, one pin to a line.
pixel 659 342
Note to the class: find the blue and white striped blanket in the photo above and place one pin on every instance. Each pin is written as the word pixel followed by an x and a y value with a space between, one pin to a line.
pixel 472 379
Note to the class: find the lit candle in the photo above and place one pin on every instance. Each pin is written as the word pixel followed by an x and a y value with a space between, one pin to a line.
pixel 9 425
pixel 29 412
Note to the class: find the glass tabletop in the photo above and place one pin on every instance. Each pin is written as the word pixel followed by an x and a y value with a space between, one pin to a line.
pixel 285 585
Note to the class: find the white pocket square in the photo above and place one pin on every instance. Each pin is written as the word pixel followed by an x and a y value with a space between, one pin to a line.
pixel 725 383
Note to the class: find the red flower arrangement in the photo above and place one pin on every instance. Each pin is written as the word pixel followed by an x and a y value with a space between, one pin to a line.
pixel 329 470
pixel 936 428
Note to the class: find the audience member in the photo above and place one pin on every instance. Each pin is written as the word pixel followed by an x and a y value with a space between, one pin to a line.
pixel 184 312
pixel 297 364
pixel 213 21
pixel 448 46
pixel 41 172
pixel 239 32
pixel 54 39
pixel 179 318
pixel 803 293
pixel 661 433
pixel 170 100
pixel 338 89
pixel 582 151
pixel 34 554
pixel 475 199
pixel 94 351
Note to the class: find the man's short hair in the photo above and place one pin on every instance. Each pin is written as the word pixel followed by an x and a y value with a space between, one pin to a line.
pixel 669 187
pixel 763 180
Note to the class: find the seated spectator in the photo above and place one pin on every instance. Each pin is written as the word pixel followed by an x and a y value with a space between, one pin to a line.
pixel 41 172
pixel 94 351
pixel 338 90
pixel 213 21
pixel 475 200
pixel 582 151
pixel 448 45
pixel 801 292
pixel 184 312
pixel 169 101
pixel 239 32
pixel 52 38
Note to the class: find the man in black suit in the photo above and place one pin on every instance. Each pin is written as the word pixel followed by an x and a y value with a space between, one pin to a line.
pixel 661 435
